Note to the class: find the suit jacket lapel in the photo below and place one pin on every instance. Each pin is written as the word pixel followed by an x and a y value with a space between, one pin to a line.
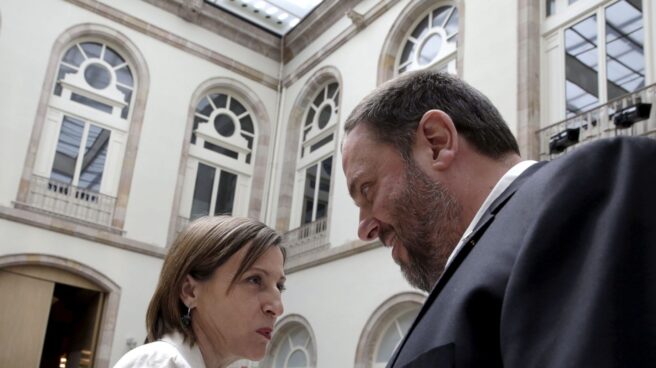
pixel 469 243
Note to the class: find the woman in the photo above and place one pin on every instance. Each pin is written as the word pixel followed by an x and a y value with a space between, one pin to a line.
pixel 217 299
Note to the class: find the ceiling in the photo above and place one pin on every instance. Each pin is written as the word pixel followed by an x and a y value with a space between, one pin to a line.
pixel 276 16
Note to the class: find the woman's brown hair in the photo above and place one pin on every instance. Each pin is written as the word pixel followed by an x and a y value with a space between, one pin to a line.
pixel 199 249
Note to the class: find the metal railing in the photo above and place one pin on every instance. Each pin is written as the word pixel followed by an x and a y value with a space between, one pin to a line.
pixel 307 238
pixel 70 201
pixel 598 122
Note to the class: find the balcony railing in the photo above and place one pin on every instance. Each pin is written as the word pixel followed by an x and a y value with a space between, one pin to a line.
pixel 70 201
pixel 598 123
pixel 307 238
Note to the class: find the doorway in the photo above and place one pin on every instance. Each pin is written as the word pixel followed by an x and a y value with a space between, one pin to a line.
pixel 49 318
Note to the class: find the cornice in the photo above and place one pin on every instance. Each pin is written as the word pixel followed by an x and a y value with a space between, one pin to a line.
pixel 315 24
pixel 174 40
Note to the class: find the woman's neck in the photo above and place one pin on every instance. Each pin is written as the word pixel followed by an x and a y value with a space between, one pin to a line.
pixel 210 349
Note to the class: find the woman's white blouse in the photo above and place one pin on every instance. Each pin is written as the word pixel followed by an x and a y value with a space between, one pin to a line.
pixel 168 352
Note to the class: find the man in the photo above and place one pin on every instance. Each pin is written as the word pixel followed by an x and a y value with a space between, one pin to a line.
pixel 528 264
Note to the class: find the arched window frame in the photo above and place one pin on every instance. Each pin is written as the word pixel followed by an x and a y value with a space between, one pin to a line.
pixel 289 202
pixel 250 166
pixel 122 178
pixel 378 323
pixel 283 330
pixel 406 22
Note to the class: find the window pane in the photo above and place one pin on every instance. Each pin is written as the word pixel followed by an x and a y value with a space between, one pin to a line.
pixel 430 49
pixel 225 198
pixel 204 108
pixel 421 29
pixel 299 337
pixel 281 356
pixel 581 66
pixel 73 56
pixel 68 149
pixel 625 59
pixel 308 195
pixel 310 117
pixel 224 125
pixel 321 143
pixel 246 124
pixel 388 343
pixel 95 153
pixel 550 7
pixel 91 103
pixel 452 24
pixel 200 205
pixel 439 16
pixel 124 76
pixel 220 100
pixel 324 188
pixel 221 150
pixel 97 75
pixel 127 93
pixel 197 120
pixel 92 49
pixel 63 70
pixel 332 88
pixel 112 57
pixel 324 116
pixel 297 360
pixel 237 107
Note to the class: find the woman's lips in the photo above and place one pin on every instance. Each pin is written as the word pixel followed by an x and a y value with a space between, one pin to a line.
pixel 266 332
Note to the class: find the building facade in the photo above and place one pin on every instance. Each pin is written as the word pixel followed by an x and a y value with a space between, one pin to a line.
pixel 122 120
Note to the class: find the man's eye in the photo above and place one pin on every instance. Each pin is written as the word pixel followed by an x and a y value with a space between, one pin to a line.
pixel 281 287
pixel 364 190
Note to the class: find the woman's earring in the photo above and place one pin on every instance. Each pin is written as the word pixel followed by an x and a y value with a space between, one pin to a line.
pixel 186 319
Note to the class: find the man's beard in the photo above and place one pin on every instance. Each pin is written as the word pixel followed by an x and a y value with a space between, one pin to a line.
pixel 427 227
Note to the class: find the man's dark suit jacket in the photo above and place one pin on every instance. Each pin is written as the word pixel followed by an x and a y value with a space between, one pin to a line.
pixel 560 271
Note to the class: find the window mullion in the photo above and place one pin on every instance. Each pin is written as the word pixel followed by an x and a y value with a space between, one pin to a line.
pixel 315 199
pixel 215 191
pixel 601 41
pixel 80 153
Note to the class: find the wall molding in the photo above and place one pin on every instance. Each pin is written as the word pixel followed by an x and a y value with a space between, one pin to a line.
pixel 176 41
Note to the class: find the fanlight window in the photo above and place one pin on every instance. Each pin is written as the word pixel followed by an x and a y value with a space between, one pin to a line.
pixel 392 337
pixel 320 119
pixel 95 75
pixel 432 43
pixel 295 349
pixel 223 125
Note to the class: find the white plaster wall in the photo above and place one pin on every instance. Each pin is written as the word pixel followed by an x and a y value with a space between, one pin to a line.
pixel 490 53
pixel 173 23
pixel 338 298
pixel 24 53
pixel 135 274
pixel 174 76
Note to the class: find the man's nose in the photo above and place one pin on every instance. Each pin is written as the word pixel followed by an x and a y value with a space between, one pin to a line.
pixel 369 228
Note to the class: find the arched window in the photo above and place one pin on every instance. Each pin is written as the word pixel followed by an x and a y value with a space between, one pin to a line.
pixel 221 152
pixel 78 167
pixel 392 336
pixel 426 35
pixel 293 345
pixel 315 162
pixel 432 43
pixel 386 328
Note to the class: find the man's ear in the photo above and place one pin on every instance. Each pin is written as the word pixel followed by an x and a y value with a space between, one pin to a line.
pixel 189 291
pixel 437 133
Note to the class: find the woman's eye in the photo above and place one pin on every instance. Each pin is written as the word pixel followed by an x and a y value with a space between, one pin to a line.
pixel 256 280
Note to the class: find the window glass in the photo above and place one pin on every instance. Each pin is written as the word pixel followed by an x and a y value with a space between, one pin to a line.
pixel 581 66
pixel 393 335
pixel 95 155
pixel 308 194
pixel 68 150
pixel 226 193
pixel 202 191
pixel 550 7
pixel 625 59
pixel 432 42
pixel 324 188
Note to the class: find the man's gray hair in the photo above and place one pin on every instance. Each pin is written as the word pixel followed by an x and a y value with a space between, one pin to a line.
pixel 394 110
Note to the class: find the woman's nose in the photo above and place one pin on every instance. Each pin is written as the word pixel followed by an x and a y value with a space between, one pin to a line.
pixel 273 306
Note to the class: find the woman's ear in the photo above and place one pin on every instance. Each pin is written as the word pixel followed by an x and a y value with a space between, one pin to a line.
pixel 189 291
pixel 439 136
